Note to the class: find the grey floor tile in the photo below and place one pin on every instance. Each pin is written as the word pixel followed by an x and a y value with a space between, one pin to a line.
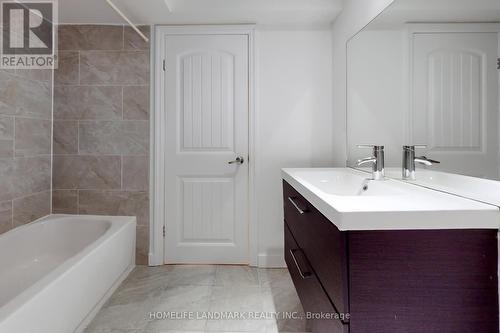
pixel 110 330
pixel 238 276
pixel 197 275
pixel 198 291
pixel 236 300
pixel 187 302
pixel 142 284
pixel 130 316
pixel 275 278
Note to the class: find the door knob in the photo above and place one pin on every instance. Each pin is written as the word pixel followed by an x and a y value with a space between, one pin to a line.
pixel 238 160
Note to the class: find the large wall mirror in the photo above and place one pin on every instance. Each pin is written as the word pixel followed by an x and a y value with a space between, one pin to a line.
pixel 426 72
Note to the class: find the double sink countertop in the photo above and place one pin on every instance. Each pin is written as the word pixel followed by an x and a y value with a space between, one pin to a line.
pixel 350 200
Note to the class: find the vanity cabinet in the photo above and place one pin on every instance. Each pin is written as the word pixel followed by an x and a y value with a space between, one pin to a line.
pixel 388 281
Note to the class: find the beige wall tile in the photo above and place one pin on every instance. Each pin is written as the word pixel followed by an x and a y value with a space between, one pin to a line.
pixel 43 75
pixel 136 102
pixel 116 203
pixel 33 137
pixel 6 128
pixel 132 40
pixel 7 179
pixel 142 245
pixel 6 148
pixel 65 137
pixel 108 137
pixel 30 208
pixel 23 97
pixel 84 102
pixel 105 90
pixel 6 137
pixel 86 172
pixel 22 176
pixel 90 37
pixel 68 69
pixel 25 141
pixel 65 202
pixel 135 173
pixel 5 216
pixel 32 175
pixel 114 67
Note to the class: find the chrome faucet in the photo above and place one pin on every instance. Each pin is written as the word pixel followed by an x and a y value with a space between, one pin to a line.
pixel 409 160
pixel 377 161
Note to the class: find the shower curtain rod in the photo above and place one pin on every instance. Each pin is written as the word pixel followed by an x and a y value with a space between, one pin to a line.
pixel 112 5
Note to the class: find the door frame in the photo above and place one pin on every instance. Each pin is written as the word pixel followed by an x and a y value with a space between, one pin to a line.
pixel 157 134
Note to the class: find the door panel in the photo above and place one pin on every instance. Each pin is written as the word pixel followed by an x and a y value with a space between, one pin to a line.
pixel 207 98
pixel 455 105
pixel 207 210
pixel 206 93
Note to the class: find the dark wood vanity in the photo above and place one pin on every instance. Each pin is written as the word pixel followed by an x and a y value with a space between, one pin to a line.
pixel 425 281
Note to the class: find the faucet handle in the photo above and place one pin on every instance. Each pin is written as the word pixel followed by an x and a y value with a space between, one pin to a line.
pixel 413 147
pixel 374 147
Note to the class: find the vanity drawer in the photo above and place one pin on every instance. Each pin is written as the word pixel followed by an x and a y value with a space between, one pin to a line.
pixel 309 289
pixel 322 243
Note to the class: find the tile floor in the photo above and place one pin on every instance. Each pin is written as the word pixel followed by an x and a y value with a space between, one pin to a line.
pixel 201 290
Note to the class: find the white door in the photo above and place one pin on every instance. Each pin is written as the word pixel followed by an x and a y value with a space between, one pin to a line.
pixel 206 106
pixel 455 100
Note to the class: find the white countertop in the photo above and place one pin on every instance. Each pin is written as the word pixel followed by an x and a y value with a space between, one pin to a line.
pixel 388 204
pixel 479 189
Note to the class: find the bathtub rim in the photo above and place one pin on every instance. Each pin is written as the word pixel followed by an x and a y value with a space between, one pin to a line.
pixel 118 223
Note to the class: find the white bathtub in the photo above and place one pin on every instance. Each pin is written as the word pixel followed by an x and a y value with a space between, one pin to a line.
pixel 57 272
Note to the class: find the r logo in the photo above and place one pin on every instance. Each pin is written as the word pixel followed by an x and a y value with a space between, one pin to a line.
pixel 27 27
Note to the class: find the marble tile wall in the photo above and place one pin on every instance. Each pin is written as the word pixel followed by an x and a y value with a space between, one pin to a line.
pixel 25 146
pixel 101 125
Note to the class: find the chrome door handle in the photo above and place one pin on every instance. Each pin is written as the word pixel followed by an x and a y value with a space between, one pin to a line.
pixel 239 160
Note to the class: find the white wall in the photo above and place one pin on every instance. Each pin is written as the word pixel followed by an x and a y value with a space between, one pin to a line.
pixel 294 117
pixel 377 106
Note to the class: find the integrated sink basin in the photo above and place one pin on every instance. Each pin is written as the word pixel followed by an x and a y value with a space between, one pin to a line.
pixel 338 182
pixel 352 201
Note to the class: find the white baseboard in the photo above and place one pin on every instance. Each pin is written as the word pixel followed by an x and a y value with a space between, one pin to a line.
pixel 271 261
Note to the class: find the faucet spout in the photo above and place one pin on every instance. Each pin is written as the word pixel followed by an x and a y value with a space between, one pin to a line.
pixel 409 160
pixel 367 160
pixel 426 161
pixel 377 161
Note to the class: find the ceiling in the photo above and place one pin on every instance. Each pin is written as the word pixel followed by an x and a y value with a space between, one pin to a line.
pixel 405 11
pixel 266 12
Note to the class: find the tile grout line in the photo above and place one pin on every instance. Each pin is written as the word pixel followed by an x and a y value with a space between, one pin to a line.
pixel 14 137
pixel 121 172
pixel 78 138
pixel 29 195
pixel 52 140
pixel 123 113
pixel 79 67
pixel 12 214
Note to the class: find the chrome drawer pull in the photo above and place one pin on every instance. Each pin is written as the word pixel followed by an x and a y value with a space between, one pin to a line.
pixel 296 206
pixel 304 275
